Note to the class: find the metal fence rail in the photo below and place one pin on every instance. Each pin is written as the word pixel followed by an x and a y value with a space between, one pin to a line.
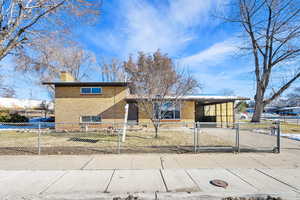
pixel 93 138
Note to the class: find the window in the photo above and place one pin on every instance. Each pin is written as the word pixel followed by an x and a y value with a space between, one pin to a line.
pixel 90 119
pixel 90 90
pixel 169 110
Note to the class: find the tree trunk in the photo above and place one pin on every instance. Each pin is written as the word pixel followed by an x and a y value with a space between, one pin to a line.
pixel 156 131
pixel 259 105
pixel 156 126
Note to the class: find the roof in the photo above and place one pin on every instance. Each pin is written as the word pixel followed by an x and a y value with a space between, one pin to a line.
pixel 203 98
pixel 74 84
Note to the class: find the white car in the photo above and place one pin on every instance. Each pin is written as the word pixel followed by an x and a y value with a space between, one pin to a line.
pixel 244 116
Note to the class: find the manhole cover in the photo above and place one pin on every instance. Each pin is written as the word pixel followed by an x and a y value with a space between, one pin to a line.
pixel 219 183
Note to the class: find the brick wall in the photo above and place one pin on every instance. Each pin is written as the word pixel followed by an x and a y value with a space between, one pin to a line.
pixel 70 104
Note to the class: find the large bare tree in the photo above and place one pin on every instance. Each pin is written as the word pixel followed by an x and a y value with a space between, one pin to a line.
pixel 293 98
pixel 272 29
pixel 22 20
pixel 156 84
pixel 112 71
pixel 5 90
pixel 49 56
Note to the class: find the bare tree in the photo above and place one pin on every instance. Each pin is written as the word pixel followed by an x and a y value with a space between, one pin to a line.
pixel 272 28
pixel 5 90
pixel 293 98
pixel 48 57
pixel 21 21
pixel 156 85
pixel 112 71
pixel 46 107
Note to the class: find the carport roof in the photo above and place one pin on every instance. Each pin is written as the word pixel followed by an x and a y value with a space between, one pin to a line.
pixel 199 98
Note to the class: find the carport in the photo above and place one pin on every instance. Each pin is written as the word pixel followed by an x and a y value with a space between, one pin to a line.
pixel 218 109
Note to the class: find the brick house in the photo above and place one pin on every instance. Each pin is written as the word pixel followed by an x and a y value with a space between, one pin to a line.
pixel 78 103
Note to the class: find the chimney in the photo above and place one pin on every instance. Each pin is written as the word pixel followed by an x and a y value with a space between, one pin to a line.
pixel 66 77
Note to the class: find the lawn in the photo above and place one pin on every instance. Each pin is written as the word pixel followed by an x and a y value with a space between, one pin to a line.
pixel 267 124
pixel 138 141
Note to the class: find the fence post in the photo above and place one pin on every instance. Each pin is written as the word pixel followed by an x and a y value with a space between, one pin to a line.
pixel 39 139
pixel 195 126
pixel 278 137
pixel 119 142
pixel 237 137
pixel 198 128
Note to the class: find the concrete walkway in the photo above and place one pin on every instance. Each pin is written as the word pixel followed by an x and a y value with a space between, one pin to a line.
pixel 286 159
pixel 150 176
pixel 148 183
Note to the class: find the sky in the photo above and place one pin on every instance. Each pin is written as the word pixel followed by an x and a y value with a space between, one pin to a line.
pixel 186 30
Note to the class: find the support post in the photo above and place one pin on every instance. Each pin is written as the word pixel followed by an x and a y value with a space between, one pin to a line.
pixel 39 139
pixel 86 128
pixel 125 123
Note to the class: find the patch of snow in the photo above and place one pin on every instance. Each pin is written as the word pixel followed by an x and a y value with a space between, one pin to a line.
pixel 287 135
pixel 291 136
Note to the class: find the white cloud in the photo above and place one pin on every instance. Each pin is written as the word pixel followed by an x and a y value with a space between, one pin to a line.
pixel 144 26
pixel 215 54
pixel 194 12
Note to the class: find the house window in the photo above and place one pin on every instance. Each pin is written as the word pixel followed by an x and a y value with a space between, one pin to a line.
pixel 169 110
pixel 90 119
pixel 91 90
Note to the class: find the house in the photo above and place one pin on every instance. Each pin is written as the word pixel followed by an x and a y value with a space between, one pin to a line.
pixel 79 103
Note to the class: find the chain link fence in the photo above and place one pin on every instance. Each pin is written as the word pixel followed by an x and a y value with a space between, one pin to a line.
pixel 100 138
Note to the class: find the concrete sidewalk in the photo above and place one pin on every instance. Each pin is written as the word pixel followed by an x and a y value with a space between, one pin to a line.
pixel 148 184
pixel 149 176
pixel 152 161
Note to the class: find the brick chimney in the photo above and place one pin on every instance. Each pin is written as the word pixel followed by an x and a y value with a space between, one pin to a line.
pixel 66 77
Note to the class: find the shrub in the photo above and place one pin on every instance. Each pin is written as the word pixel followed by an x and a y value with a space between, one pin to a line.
pixel 5 116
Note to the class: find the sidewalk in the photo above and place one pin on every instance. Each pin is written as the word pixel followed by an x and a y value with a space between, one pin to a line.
pixel 150 176
pixel 286 159
pixel 74 184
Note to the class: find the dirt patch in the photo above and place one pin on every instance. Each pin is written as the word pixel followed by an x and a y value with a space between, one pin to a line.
pixel 252 198
pixel 79 150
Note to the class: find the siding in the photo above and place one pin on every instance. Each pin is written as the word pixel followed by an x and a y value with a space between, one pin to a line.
pixel 70 104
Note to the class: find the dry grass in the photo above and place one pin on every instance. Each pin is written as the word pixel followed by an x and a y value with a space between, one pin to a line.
pixel 284 126
pixel 101 139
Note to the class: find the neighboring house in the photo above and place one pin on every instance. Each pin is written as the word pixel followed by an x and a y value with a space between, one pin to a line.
pixel 79 103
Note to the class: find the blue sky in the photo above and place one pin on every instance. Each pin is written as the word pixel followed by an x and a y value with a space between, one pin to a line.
pixel 184 29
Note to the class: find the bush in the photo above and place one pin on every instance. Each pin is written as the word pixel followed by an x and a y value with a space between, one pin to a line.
pixel 18 118
pixel 5 116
